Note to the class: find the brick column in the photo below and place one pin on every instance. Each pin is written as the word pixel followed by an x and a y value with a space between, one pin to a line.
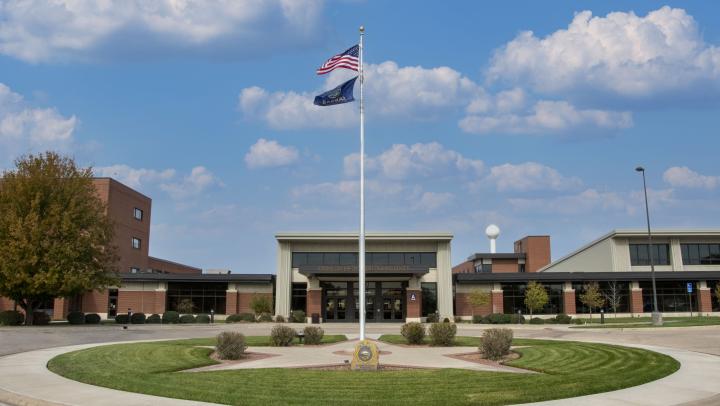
pixel 231 302
pixel 636 301
pixel 414 307
pixel 497 301
pixel 60 308
pixel 704 300
pixel 569 301
pixel 314 303
pixel 160 301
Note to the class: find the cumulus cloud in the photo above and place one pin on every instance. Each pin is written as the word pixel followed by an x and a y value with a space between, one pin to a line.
pixel 406 92
pixel 345 189
pixel 682 176
pixel 529 176
pixel 589 200
pixel 40 31
pixel 24 128
pixel 431 201
pixel 402 161
pixel 134 177
pixel 269 153
pixel 199 180
pixel 621 54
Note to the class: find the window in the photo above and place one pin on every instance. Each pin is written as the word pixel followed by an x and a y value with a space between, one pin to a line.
pixel 700 254
pixel 421 259
pixel 619 292
pixel 299 296
pixel 521 268
pixel 134 270
pixel 672 296
pixel 514 298
pixel 204 296
pixel 483 268
pixel 136 243
pixel 138 214
pixel 429 298
pixel 639 254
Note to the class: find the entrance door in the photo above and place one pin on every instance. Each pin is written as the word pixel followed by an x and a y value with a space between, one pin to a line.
pixel 384 301
pixel 336 301
pixel 393 301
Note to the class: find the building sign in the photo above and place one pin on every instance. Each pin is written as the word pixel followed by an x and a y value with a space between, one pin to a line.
pixel 412 297
pixel 368 268
pixel 689 287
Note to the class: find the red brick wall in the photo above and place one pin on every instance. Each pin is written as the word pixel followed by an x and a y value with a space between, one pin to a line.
pixel 160 301
pixel 314 302
pixel 138 301
pixel 60 308
pixel 505 265
pixel 704 300
pixel 414 307
pixel 465 267
pixel 7 304
pixel 231 303
pixel 172 267
pixel 245 298
pixel 497 302
pixel 636 301
pixel 569 301
pixel 537 251
pixel 464 308
pixel 95 302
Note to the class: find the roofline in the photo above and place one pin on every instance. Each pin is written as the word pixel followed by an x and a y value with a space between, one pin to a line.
pixel 351 236
pixel 154 277
pixel 174 263
pixel 488 277
pixel 499 255
pixel 121 184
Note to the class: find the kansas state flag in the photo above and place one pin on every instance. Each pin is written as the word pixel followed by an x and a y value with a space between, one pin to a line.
pixel 339 95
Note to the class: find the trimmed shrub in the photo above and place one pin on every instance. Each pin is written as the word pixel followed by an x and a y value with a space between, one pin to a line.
pixel 11 318
pixel 498 318
pixel 446 320
pixel 578 321
pixel 247 318
pixel 433 318
pixel 233 318
pixel 203 318
pixel 187 319
pixel 442 334
pixel 122 319
pixel 413 332
pixel 476 319
pixel 563 319
pixel 279 319
pixel 41 319
pixel 537 320
pixel 282 336
pixel 313 335
pixel 297 316
pixel 496 342
pixel 261 304
pixel 265 317
pixel 92 318
pixel 153 319
pixel 230 345
pixel 171 317
pixel 138 318
pixel 517 319
pixel 75 318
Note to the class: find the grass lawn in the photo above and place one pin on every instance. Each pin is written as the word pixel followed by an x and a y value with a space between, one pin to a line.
pixel 568 369
pixel 634 322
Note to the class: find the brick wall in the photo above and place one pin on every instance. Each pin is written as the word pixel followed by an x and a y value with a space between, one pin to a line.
pixel 465 267
pixel 704 300
pixel 464 308
pixel 537 251
pixel 7 304
pixel 231 302
pixel 636 301
pixel 569 301
pixel 414 307
pixel 244 299
pixel 140 302
pixel 314 302
pixel 505 265
pixel 497 301
pixel 95 302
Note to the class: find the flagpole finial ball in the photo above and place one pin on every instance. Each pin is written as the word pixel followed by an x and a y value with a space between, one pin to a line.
pixel 362 28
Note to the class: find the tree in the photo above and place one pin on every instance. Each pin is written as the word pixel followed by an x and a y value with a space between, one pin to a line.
pixel 261 304
pixel 478 298
pixel 591 297
pixel 186 306
pixel 536 297
pixel 613 296
pixel 55 238
pixel 717 292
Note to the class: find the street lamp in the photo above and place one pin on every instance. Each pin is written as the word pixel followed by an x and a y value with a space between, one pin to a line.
pixel 656 315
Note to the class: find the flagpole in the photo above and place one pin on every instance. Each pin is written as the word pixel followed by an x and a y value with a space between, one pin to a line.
pixel 361 237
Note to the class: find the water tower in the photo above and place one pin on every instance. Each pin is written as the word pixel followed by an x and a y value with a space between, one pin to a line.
pixel 492 231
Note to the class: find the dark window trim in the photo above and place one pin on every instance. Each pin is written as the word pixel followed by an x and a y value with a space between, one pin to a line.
pixel 139 243
pixel 135 212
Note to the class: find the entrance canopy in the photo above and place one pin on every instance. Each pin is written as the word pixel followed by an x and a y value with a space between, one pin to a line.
pixel 373 270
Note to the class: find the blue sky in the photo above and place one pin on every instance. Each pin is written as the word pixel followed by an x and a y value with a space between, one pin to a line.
pixel 531 115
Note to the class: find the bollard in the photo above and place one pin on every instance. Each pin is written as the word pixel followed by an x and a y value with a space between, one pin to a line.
pixel 602 316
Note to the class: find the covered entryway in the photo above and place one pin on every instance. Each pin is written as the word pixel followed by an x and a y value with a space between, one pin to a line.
pixel 384 301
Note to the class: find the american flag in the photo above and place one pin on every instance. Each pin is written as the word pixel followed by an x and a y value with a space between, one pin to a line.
pixel 347 60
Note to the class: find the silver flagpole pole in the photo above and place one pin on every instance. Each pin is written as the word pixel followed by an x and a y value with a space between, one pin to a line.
pixel 361 254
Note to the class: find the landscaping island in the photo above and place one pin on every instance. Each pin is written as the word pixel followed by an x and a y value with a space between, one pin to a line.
pixel 567 369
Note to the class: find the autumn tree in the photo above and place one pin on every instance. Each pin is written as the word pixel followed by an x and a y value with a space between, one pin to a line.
pixel 55 238
pixel 536 297
pixel 613 295
pixel 592 297
pixel 478 298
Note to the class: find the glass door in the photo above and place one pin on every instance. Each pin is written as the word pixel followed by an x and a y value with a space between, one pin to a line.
pixel 393 301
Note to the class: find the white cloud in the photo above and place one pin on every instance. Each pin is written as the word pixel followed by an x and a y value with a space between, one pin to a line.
pixel 529 176
pixel 401 161
pixel 544 117
pixel 682 176
pixel 621 54
pixel 407 92
pixel 431 201
pixel 134 177
pixel 269 153
pixel 24 128
pixel 40 31
pixel 199 180
pixel 587 201
pixel 346 189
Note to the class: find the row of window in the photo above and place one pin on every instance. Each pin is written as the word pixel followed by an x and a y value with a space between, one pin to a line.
pixel 640 255
pixel 428 259
pixel 692 254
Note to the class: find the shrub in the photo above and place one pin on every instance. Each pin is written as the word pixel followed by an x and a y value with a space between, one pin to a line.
pixel 265 317
pixel 498 318
pixel 442 334
pixel 187 319
pixel 40 319
pixel 313 335
pixel 413 332
pixel 153 319
pixel 458 319
pixel 537 320
pixel 230 345
pixel 563 319
pixel 476 319
pixel 11 318
pixel 517 319
pixel 171 317
pixel 247 317
pixel 495 342
pixel 279 319
pixel 92 318
pixel 203 318
pixel 281 336
pixel 122 319
pixel 446 320
pixel 233 318
pixel 578 321
pixel 186 306
pixel 261 304
pixel 75 318
pixel 433 318
pixel 297 316
pixel 138 318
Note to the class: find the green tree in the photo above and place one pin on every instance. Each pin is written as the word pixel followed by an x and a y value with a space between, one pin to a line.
pixel 55 238
pixel 536 297
pixel 261 304
pixel 592 297
pixel 478 298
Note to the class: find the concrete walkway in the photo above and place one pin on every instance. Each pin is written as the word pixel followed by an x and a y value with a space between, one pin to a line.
pixel 24 379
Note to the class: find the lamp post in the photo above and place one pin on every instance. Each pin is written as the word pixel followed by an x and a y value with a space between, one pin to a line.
pixel 656 315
